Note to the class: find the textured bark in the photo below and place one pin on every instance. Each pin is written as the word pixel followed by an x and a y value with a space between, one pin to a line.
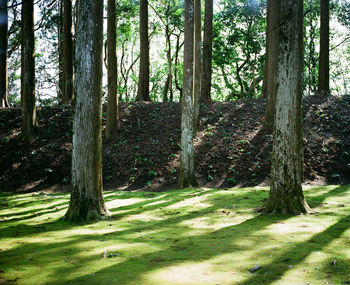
pixel 187 177
pixel 86 202
pixel 112 64
pixel 3 53
pixel 28 71
pixel 207 52
pixel 323 67
pixel 272 38
pixel 68 93
pixel 286 195
pixel 143 85
pixel 197 60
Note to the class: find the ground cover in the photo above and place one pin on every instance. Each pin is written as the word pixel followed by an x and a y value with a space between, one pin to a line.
pixel 231 147
pixel 190 236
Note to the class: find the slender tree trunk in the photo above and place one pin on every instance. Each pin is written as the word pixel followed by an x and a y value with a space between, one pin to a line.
pixel 286 195
pixel 60 54
pixel 207 52
pixel 86 202
pixel 3 53
pixel 28 71
pixel 143 85
pixel 112 106
pixel 323 71
pixel 197 60
pixel 187 176
pixel 68 94
pixel 272 38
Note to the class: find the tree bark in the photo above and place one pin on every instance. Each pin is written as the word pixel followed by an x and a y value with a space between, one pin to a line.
pixel 207 52
pixel 143 85
pixel 286 195
pixel 68 94
pixel 28 71
pixel 60 54
pixel 187 176
pixel 197 60
pixel 86 202
pixel 323 71
pixel 112 105
pixel 272 38
pixel 3 54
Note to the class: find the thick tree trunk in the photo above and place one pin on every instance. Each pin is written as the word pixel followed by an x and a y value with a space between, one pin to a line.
pixel 272 38
pixel 143 85
pixel 68 93
pixel 207 52
pixel 323 70
pixel 87 201
pixel 28 71
pixel 197 60
pixel 3 53
pixel 187 177
pixel 112 106
pixel 286 195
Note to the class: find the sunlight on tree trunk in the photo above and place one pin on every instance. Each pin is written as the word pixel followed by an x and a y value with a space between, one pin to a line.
pixel 286 195
pixel 187 177
pixel 87 201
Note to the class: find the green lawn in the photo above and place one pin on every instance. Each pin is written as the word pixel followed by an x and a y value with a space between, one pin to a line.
pixel 192 236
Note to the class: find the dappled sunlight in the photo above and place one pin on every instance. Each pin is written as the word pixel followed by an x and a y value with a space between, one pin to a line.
pixel 191 236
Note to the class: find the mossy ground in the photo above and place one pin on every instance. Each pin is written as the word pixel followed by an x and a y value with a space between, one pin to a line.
pixel 191 236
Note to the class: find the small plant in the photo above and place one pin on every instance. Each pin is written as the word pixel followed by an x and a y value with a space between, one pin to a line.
pixel 152 173
pixel 232 181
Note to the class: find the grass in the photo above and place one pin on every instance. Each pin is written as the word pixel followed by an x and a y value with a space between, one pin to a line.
pixel 192 236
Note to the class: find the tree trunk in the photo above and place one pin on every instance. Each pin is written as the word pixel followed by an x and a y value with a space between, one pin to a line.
pixel 3 53
pixel 28 71
pixel 86 202
pixel 68 94
pixel 207 52
pixel 197 60
pixel 272 38
pixel 60 54
pixel 286 195
pixel 112 106
pixel 187 177
pixel 143 85
pixel 323 71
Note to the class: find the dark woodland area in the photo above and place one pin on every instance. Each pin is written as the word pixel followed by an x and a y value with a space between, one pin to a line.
pixel 232 147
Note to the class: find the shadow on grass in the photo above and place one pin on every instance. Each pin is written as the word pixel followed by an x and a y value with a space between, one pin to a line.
pixel 177 249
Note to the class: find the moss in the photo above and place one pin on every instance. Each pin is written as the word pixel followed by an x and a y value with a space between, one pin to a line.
pixel 186 236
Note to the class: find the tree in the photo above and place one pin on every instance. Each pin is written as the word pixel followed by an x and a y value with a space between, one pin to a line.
pixel 187 177
pixel 143 85
pixel 272 34
pixel 86 202
pixel 286 195
pixel 68 94
pixel 207 52
pixel 3 53
pixel 323 67
pixel 112 105
pixel 28 71
pixel 197 60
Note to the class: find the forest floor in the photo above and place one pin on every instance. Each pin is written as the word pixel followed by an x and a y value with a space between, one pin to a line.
pixel 231 147
pixel 189 236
